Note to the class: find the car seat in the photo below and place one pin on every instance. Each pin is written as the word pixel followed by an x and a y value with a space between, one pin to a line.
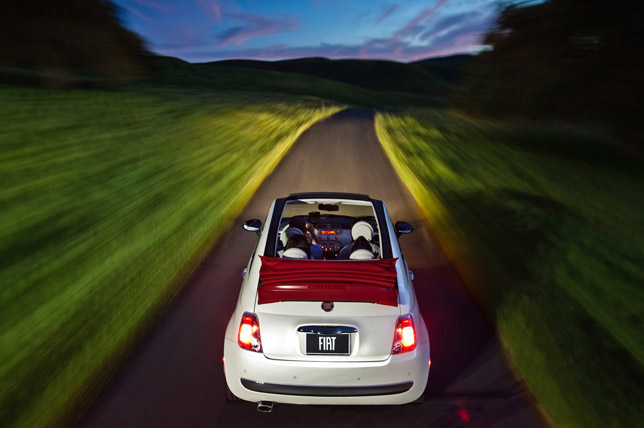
pixel 360 228
pixel 361 254
pixel 294 253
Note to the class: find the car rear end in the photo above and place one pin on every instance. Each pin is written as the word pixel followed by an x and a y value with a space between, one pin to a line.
pixel 345 356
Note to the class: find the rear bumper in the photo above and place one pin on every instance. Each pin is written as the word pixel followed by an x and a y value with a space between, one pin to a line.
pixel 399 379
pixel 327 391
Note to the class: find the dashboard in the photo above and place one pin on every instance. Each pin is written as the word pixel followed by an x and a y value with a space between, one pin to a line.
pixel 332 238
pixel 333 231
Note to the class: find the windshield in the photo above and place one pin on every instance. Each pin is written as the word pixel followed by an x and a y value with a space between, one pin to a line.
pixel 333 230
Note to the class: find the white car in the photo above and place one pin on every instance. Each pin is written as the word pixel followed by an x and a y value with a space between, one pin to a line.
pixel 330 319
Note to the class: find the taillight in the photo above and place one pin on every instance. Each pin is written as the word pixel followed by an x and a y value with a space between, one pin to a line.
pixel 248 337
pixel 404 336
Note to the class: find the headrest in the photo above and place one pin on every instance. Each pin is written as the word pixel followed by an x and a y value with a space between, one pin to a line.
pixel 295 253
pixel 362 228
pixel 290 231
pixel 361 255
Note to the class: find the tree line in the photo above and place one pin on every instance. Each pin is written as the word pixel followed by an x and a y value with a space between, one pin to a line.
pixel 577 60
pixel 61 38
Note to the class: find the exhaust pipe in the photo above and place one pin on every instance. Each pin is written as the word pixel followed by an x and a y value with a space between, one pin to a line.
pixel 265 406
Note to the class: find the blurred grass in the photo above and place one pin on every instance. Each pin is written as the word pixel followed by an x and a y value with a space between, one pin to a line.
pixel 109 201
pixel 545 223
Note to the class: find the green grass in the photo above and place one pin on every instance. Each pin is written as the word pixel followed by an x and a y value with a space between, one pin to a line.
pixel 545 224
pixel 109 201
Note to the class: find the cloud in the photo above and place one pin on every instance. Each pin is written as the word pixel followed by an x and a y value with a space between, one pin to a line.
pixel 388 11
pixel 359 18
pixel 458 34
pixel 211 7
pixel 412 27
pixel 473 21
pixel 134 12
pixel 435 31
pixel 153 5
pixel 377 49
pixel 253 26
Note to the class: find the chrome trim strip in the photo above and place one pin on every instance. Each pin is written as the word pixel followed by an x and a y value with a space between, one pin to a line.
pixel 326 329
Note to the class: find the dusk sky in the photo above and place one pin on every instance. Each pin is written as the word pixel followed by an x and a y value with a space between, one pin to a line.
pixel 209 30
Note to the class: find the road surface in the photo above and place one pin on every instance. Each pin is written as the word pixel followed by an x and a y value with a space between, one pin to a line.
pixel 174 378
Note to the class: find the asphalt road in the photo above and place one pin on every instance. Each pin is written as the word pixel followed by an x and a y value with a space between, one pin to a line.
pixel 174 378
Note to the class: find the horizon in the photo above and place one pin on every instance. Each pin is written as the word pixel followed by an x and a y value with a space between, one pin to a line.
pixel 319 58
pixel 200 31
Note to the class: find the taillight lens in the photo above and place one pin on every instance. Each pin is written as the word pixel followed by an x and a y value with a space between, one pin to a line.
pixel 248 337
pixel 404 336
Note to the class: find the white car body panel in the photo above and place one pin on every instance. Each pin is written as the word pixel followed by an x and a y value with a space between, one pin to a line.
pixel 372 342
pixel 255 366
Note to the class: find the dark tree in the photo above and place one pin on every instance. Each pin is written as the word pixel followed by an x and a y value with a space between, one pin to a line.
pixel 62 37
pixel 569 59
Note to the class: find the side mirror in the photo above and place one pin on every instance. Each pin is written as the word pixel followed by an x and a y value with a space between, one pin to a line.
pixel 253 225
pixel 403 228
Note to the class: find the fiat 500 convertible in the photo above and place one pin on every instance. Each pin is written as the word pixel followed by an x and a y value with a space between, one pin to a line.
pixel 327 313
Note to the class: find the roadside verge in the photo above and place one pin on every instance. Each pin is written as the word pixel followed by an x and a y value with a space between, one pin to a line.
pixel 112 200
pixel 541 221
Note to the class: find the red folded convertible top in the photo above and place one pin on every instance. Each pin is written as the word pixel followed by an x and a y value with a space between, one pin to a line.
pixel 323 280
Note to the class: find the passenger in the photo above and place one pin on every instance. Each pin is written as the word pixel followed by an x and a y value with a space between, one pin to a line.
pixel 360 229
pixel 361 249
pixel 297 247
pixel 298 226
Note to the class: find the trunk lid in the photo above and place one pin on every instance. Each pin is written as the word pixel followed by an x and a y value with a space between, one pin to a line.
pixel 374 326
pixel 294 324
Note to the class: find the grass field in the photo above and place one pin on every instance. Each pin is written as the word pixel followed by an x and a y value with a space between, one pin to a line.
pixel 109 200
pixel 545 224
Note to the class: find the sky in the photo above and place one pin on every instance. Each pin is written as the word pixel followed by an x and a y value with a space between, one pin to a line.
pixel 210 30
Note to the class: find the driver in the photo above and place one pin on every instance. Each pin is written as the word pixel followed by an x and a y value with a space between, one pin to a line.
pixel 297 247
pixel 299 226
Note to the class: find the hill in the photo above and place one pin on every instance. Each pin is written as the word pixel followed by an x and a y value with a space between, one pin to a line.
pixel 430 77
pixel 258 77
pixel 449 68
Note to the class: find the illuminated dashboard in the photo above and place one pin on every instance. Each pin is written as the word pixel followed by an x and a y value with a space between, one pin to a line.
pixel 330 237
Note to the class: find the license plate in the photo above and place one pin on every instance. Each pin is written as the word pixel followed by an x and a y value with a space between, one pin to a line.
pixel 327 344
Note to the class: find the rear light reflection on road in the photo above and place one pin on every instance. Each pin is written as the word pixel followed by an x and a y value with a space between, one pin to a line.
pixel 465 417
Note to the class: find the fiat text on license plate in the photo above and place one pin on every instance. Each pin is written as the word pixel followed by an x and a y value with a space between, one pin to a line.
pixel 327 344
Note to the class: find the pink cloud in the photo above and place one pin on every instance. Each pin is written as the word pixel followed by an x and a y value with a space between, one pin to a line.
pixel 382 49
pixel 253 26
pixel 210 7
pixel 421 37
pixel 418 19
